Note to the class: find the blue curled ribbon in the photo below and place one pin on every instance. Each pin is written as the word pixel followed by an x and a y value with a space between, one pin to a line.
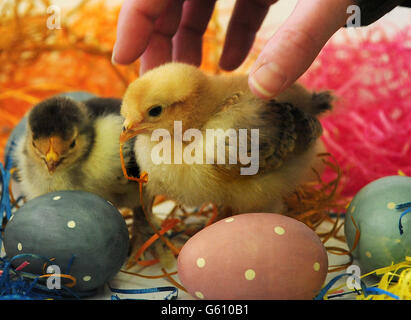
pixel 403 206
pixel 379 291
pixel 171 296
pixel 21 285
pixel 328 286
pixel 366 290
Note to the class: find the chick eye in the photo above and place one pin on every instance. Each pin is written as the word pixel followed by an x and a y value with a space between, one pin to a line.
pixel 155 111
pixel 73 144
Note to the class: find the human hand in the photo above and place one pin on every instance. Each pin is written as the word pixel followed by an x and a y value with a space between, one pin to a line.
pixel 159 31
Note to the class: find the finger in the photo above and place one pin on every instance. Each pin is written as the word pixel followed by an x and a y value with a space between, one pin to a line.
pixel 245 21
pixel 134 28
pixel 159 48
pixel 292 49
pixel 187 42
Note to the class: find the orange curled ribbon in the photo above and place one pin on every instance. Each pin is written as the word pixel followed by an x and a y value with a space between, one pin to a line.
pixel 158 233
pixel 166 226
pixel 67 276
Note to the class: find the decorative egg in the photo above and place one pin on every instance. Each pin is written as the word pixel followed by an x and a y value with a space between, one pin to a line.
pixel 374 211
pixel 254 256
pixel 18 132
pixel 83 234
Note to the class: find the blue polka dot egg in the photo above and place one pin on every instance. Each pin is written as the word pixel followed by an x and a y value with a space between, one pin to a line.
pixel 379 213
pixel 84 235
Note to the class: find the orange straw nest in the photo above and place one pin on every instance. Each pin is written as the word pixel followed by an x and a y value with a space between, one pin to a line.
pixel 318 204
pixel 37 61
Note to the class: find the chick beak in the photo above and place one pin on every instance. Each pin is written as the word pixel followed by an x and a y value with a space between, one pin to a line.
pixel 52 159
pixel 130 130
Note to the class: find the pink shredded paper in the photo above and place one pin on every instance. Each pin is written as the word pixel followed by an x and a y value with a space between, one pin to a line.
pixel 369 131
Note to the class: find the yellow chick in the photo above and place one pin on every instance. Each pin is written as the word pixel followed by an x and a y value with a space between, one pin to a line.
pixel 206 138
pixel 74 145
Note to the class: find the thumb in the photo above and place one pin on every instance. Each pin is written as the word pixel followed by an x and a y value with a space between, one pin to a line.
pixel 293 48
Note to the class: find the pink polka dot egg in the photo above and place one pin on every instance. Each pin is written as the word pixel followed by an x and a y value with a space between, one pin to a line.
pixel 254 256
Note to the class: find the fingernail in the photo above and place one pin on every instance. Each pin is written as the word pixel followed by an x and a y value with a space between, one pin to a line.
pixel 268 80
pixel 113 55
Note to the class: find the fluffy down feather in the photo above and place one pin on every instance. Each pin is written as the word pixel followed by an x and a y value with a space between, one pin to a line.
pixel 71 145
pixel 288 136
